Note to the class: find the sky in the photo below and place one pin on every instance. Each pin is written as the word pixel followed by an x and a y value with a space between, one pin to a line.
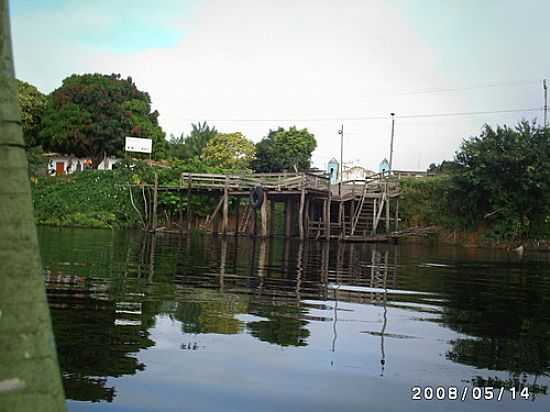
pixel 255 65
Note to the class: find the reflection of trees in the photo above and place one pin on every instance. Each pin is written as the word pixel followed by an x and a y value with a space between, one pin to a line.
pixel 283 327
pixel 506 335
pixel 210 312
pixel 96 339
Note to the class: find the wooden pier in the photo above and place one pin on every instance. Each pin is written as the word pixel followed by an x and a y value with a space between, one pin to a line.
pixel 308 205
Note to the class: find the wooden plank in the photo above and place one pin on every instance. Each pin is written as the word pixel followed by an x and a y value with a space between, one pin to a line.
pixel 288 217
pixel 263 217
pixel 301 215
pixel 225 221
pixel 155 203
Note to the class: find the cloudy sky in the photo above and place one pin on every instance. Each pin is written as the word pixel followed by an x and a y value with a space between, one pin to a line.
pixel 252 65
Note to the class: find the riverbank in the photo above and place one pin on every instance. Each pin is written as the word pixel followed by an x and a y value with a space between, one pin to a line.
pixel 101 199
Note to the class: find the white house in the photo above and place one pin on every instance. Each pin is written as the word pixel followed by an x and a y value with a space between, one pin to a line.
pixel 355 172
pixel 60 164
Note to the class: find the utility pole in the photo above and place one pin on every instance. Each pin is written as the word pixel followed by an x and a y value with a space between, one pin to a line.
pixel 391 141
pixel 545 86
pixel 341 133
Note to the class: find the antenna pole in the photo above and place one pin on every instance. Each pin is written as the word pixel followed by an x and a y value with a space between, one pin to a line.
pixel 391 141
pixel 545 86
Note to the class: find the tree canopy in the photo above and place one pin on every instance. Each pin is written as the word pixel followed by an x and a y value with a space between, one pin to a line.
pixel 229 151
pixel 285 150
pixel 504 175
pixel 91 114
pixel 32 104
pixel 185 148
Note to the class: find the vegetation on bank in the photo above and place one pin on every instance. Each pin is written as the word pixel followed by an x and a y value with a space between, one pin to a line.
pixel 498 187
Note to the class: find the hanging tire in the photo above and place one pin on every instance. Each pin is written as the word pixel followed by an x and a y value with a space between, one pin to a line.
pixel 257 197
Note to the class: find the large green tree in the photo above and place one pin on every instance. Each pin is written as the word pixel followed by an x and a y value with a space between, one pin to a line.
pixel 29 371
pixel 229 151
pixel 91 114
pixel 503 177
pixel 33 104
pixel 285 150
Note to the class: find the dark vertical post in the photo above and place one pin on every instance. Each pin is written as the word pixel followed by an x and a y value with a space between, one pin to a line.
pixel 263 217
pixel 302 201
pixel 225 220
pixel 155 202
pixel 397 215
pixel 189 211
pixel 237 215
pixel 272 218
pixel 387 215
pixel 327 221
pixel 288 217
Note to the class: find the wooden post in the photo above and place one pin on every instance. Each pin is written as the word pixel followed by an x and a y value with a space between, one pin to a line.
pixel 387 215
pixel 327 221
pixel 272 218
pixel 397 215
pixel 189 212
pixel 288 217
pixel 301 215
pixel 237 215
pixel 155 203
pixel 263 217
pixel 252 222
pixel 225 221
pixel 373 215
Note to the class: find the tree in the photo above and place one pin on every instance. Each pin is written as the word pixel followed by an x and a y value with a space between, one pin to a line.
pixel 32 104
pixel 91 114
pixel 30 372
pixel 185 148
pixel 229 151
pixel 504 175
pixel 284 150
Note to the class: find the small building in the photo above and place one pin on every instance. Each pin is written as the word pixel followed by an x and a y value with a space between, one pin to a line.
pixel 60 164
pixel 333 170
pixel 356 173
pixel 384 166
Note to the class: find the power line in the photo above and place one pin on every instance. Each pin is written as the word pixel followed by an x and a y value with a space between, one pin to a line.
pixel 363 118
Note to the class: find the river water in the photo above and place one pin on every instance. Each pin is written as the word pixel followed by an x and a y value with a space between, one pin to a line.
pixel 203 323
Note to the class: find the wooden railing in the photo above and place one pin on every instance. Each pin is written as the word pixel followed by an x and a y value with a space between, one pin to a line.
pixel 270 181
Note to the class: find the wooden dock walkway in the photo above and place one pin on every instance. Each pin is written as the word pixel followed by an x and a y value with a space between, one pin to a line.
pixel 357 210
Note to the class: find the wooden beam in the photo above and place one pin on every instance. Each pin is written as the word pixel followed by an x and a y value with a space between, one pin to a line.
pixel 288 217
pixel 189 211
pixel 327 219
pixel 263 217
pixel 301 215
pixel 397 215
pixel 225 221
pixel 388 215
pixel 155 202
pixel 237 215
pixel 271 217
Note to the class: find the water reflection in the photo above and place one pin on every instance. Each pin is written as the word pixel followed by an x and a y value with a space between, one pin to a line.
pixel 405 314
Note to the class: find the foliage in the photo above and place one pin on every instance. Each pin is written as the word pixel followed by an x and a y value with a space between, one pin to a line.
pixel 185 148
pixel 446 167
pixel 499 181
pixel 36 161
pixel 284 149
pixel 504 176
pixel 32 104
pixel 231 151
pixel 90 198
pixel 90 115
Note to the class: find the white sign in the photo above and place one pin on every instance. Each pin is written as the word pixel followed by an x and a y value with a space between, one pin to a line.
pixel 137 144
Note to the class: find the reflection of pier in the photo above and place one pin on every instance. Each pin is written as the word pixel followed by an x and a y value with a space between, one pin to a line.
pixel 358 210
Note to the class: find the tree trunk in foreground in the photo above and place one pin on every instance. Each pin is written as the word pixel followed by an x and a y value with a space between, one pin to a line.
pixel 29 372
